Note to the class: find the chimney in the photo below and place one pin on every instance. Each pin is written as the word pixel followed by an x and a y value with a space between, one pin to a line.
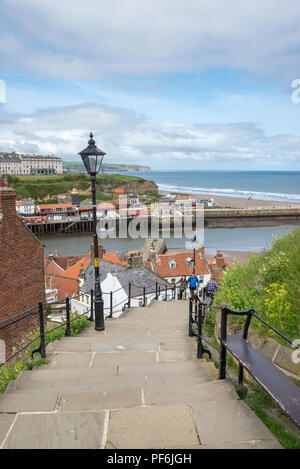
pixel 101 249
pixel 220 260
pixel 50 257
pixel 7 204
pixel 201 250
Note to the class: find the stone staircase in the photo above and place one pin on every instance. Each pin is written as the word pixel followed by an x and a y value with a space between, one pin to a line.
pixel 136 385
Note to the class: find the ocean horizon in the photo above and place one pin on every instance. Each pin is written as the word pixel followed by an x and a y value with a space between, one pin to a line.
pixel 282 186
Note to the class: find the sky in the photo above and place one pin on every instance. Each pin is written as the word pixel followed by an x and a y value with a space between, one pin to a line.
pixel 172 84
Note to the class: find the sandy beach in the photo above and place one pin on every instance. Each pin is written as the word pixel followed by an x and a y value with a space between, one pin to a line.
pixel 239 202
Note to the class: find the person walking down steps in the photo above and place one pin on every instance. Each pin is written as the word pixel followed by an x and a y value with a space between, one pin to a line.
pixel 193 284
pixel 182 287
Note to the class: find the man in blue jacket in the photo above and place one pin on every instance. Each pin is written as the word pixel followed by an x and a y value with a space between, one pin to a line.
pixel 193 283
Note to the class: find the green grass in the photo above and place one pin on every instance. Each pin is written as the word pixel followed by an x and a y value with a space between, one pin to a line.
pixel 41 187
pixel 263 406
pixel 12 369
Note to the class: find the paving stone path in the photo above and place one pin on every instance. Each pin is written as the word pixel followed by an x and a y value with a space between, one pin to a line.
pixel 136 385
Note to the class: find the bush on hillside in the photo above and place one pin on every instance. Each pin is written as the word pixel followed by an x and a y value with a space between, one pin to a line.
pixel 268 283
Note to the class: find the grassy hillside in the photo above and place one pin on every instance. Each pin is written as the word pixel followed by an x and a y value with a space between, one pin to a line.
pixel 268 283
pixel 47 187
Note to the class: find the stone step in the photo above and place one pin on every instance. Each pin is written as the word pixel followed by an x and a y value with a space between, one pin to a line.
pixel 211 391
pixel 196 368
pixel 94 383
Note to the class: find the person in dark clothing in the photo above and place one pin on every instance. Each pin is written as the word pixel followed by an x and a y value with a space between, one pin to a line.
pixel 182 287
pixel 211 287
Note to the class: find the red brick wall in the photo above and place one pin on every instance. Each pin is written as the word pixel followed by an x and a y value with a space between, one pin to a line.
pixel 21 272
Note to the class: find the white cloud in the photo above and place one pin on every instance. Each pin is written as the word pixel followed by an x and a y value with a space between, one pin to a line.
pixel 128 137
pixel 93 39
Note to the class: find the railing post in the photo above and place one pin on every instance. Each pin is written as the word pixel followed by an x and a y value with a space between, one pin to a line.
pixel 190 317
pixel 144 296
pixel 245 336
pixel 92 306
pixel 129 295
pixel 111 305
pixel 156 291
pixel 222 367
pixel 199 333
pixel 68 326
pixel 42 347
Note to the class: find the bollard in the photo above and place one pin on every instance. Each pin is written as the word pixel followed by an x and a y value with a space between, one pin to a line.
pixel 144 296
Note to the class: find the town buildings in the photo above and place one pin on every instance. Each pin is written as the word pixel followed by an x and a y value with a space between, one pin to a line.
pixel 18 164
pixel 174 264
pixel 21 272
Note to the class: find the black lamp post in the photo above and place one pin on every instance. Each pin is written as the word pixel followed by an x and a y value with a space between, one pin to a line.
pixel 92 159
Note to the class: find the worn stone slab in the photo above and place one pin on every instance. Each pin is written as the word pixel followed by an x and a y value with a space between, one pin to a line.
pixel 219 423
pixel 211 391
pixel 123 357
pixel 102 400
pixel 151 427
pixel 70 360
pixel 176 355
pixel 252 444
pixel 72 344
pixel 79 430
pixel 6 421
pixel 177 344
pixel 24 402
pixel 122 345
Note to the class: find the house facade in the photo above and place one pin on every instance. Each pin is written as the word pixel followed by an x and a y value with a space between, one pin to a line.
pixel 22 283
pixel 15 163
pixel 174 264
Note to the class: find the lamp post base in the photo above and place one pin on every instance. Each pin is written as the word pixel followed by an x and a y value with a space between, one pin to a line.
pixel 99 316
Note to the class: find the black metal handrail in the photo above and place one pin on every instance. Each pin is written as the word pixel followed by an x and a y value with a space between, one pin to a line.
pixel 40 307
pixel 249 313
pixel 43 333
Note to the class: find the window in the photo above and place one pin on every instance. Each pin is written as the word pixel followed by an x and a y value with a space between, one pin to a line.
pixel 190 262
pixel 172 264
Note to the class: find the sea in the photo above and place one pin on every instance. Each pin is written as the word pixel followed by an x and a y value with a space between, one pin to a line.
pixel 281 186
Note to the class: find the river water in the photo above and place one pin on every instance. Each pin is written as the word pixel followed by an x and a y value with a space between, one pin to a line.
pixel 236 239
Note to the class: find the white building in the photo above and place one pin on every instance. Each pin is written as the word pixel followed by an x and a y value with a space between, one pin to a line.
pixel 25 207
pixel 19 164
pixel 123 283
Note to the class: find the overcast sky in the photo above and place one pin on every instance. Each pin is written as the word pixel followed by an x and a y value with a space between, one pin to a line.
pixel 174 84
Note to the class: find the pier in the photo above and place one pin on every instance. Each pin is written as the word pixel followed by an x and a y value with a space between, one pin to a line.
pixel 213 218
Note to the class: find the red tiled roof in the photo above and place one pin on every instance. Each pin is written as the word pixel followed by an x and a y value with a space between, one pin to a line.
pixel 163 269
pixel 52 267
pixel 113 257
pixel 65 286
pixel 74 270
pixel 64 261
pixel 47 206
